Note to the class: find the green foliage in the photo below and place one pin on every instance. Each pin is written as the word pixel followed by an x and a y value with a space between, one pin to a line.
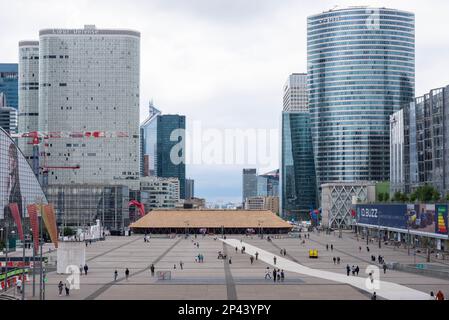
pixel 425 193
pixel 400 197
pixel 68 232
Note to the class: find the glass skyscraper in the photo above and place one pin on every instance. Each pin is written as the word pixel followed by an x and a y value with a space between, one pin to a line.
pixel 361 69
pixel 298 186
pixel 158 146
pixel 9 83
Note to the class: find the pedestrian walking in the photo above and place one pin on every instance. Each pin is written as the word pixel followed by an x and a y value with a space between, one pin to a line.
pixel 374 296
pixel 367 248
pixel 67 290
pixel 440 295
pixel 181 264
pixel 274 260
pixel 357 269
pixel 152 270
pixel 282 275
pixel 385 268
pixel 115 275
pixel 338 260
pixel 236 249
pixel 327 247
pixel 348 269
pixel 267 273
pixel 332 247
pixel 19 285
pixel 360 249
pixel 274 274
pixel 432 296
pixel 174 266
pixel 85 269
pixel 230 261
pixel 353 270
pixel 257 255
pixel 335 260
pixel 126 273
pixel 251 259
pixel 371 277
pixel 285 252
pixel 60 287
pixel 279 275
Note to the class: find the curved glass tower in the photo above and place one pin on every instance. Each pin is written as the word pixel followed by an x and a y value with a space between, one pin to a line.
pixel 361 69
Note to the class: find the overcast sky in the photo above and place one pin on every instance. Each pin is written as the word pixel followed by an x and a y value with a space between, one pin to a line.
pixel 221 62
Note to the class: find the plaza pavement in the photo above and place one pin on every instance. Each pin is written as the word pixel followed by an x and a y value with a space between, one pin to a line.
pixel 217 279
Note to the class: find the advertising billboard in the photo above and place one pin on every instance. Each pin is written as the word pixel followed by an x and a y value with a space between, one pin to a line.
pixel 420 218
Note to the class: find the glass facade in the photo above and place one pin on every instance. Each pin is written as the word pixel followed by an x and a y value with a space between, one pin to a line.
pixel 18 184
pixel 298 183
pixel 9 83
pixel 81 205
pixel 426 141
pixel 158 146
pixel 361 69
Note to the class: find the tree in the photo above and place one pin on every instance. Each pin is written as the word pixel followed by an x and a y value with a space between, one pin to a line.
pixel 68 232
pixel 425 193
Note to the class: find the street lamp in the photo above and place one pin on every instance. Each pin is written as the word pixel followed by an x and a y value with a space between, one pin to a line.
pixel 407 215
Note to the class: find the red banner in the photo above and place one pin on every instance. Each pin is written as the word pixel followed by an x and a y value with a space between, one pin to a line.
pixel 50 222
pixel 34 222
pixel 14 208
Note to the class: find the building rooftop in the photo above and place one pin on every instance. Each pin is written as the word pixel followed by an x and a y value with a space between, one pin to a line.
pixel 208 218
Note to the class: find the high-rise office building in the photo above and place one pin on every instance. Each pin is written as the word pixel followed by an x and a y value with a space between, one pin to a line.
pixel 295 93
pixel 190 188
pixel 298 186
pixel 268 184
pixel 29 98
pixel 163 192
pixel 361 69
pixel 249 188
pixel 9 83
pixel 89 82
pixel 420 135
pixel 164 147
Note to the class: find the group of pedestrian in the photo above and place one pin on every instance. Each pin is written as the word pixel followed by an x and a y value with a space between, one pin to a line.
pixel 278 274
pixel 283 252
pixel 146 238
pixel 199 258
pixel 354 270
pixel 62 286
pixel 243 249
pixel 85 268
pixel 116 274
pixel 196 244
pixel 336 260
pixel 331 246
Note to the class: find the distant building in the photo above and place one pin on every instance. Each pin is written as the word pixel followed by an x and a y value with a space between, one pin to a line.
pixel 8 116
pixel 298 180
pixel 249 183
pixel 263 203
pixel 190 188
pixel 195 203
pixel 163 192
pixel 268 184
pixel 161 146
pixel 29 99
pixel 295 93
pixel 9 76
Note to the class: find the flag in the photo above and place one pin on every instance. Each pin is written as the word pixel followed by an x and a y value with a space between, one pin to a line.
pixel 34 221
pixel 50 223
pixel 14 208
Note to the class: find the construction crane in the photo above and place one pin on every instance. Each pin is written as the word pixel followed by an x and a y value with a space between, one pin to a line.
pixel 38 138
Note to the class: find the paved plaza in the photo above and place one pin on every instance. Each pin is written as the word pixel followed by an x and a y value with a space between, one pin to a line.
pixel 217 279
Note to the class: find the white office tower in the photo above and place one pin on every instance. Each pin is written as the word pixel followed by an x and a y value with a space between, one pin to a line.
pixel 28 96
pixel 89 99
pixel 295 93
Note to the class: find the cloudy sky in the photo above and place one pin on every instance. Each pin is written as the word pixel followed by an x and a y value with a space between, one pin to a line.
pixel 222 63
